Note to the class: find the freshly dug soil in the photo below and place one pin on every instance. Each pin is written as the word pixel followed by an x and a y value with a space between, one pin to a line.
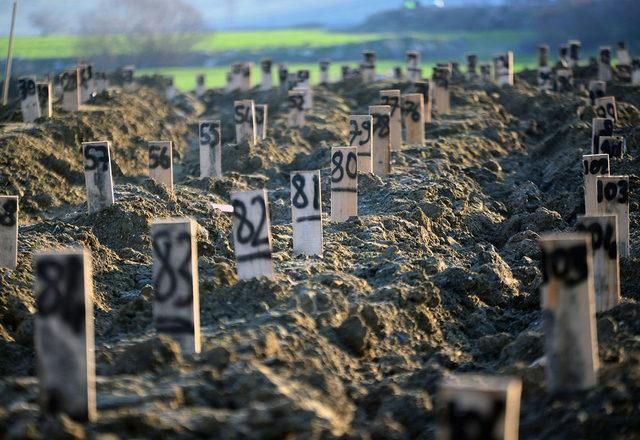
pixel 439 274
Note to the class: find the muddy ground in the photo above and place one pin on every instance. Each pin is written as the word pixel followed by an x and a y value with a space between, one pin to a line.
pixel 439 274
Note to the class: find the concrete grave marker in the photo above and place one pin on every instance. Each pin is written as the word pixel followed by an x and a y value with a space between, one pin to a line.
pixel 381 145
pixel 392 98
pixel 613 198
pixel 161 162
pixel 306 212
pixel 606 261
pixel 361 136
pixel 252 234
pixel 9 212
pixel 568 311
pixel 63 333
pixel 176 304
pixel 210 139
pixel 344 183
pixel 29 102
pixel 471 406
pixel 97 174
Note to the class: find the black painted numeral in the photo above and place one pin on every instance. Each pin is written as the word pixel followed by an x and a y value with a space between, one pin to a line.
pixel 96 155
pixel 338 171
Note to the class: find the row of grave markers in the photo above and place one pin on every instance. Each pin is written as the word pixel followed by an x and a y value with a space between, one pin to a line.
pixel 580 271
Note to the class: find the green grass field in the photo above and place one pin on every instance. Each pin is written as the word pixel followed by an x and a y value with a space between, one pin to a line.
pixel 74 46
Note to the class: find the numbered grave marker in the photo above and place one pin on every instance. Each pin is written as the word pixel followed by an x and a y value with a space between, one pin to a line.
pixel 368 66
pixel 413 114
pixel 624 59
pixel 9 211
pixel 600 127
pixel 97 174
pixel 614 146
pixel 442 98
pixel 303 81
pixel 87 83
pixel 306 212
pixel 262 116
pixel 296 108
pixel 324 71
pixel 606 108
pixel 564 80
pixel 606 262
pixel 45 97
pixel 472 67
pixel 398 75
pixel 635 72
pixel 472 406
pixel 425 89
pixel 200 86
pixel 252 234
pixel 29 102
pixel 486 73
pixel 593 165
pixel 545 77
pixel 161 162
pixel 392 98
pixel 604 65
pixel 171 89
pixel 267 80
pixel 503 68
pixel 210 137
pixel 613 198
pixel 361 136
pixel 101 82
pixel 574 52
pixel 128 78
pixel 564 55
pixel 597 89
pixel 245 120
pixel 246 76
pixel 70 90
pixel 63 333
pixel 414 73
pixel 381 144
pixel 176 304
pixel 568 312
pixel 344 183
pixel 283 76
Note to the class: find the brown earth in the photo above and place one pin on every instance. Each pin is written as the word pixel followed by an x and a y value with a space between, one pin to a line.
pixel 439 274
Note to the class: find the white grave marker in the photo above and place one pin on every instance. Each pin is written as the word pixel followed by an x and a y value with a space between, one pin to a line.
pixel 381 145
pixel 171 89
pixel 361 136
pixel 600 127
pixel 45 97
pixel 413 114
pixel 604 65
pixel 324 71
pixel 161 162
pixel 606 261
pixel 503 68
pixel 200 86
pixel 574 52
pixel 344 183
pixel 210 139
pixel 545 76
pixel 606 108
pixel 296 108
pixel 635 72
pixel 262 118
pixel 472 67
pixel 392 98
pixel 97 174
pixel 266 81
pixel 471 406
pixel 303 81
pixel 128 73
pixel 414 73
pixel 70 80
pixel 597 89
pixel 368 66
pixel 252 234
pixel 63 331
pixel 624 59
pixel 613 198
pixel 29 102
pixel 593 165
pixel 564 55
pixel 9 211
pixel 564 80
pixel 176 305
pixel 283 76
pixel 568 312
pixel 306 212
pixel 245 119
pixel 87 84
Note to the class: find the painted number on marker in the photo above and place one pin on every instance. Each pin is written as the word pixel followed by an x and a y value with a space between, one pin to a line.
pixel 61 283
pixel 69 82
pixel 160 159
pixel 247 232
pixel 613 191
pixel 300 199
pixel 392 101
pixel 242 114
pixel 8 214
pixel 164 291
pixel 411 107
pixel 462 420
pixel 601 238
pixel 209 133
pixel 351 166
pixel 27 88
pixel 296 102
pixel 566 264
pixel 596 167
pixel 356 132
pixel 606 111
pixel 381 125
pixel 96 154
